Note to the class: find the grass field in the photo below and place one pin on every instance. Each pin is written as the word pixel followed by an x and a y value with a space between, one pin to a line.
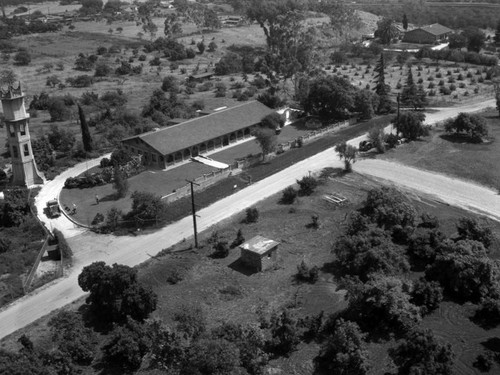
pixel 439 153
pixel 225 294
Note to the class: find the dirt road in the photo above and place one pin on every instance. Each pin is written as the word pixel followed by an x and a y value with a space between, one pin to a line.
pixel 89 247
pixel 456 192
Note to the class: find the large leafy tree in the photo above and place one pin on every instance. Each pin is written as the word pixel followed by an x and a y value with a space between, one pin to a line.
pixel 471 125
pixel 267 140
pixel 421 353
pixel 386 30
pixel 284 334
pixel 465 271
pixel 147 208
pixel 329 97
pixel 368 253
pixel 115 292
pixel 72 337
pixel 475 38
pixel 411 125
pixel 172 26
pixel 212 356
pixel 388 208
pixel 471 229
pixel 382 306
pixel 127 346
pixel 249 340
pixel 458 41
pixel 344 351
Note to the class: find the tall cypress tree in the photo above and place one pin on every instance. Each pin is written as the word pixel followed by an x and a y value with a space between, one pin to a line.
pixel 405 22
pixel 86 138
pixel 381 88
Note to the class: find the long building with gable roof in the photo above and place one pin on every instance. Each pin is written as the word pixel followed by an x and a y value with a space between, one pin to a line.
pixel 167 146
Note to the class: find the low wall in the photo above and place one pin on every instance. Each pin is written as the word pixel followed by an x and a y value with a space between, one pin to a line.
pixel 201 183
pixel 29 279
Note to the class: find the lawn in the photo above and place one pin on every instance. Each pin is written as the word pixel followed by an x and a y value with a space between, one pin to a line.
pixel 164 182
pixel 439 153
pixel 225 294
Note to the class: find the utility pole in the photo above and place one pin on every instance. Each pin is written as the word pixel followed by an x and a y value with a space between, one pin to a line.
pixel 399 105
pixel 193 209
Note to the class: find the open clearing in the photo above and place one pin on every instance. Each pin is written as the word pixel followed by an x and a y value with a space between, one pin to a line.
pixel 441 153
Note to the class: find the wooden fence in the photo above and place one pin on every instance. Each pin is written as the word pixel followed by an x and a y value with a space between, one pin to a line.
pixel 31 275
pixel 210 178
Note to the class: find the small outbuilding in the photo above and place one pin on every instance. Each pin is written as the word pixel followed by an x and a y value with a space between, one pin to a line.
pixel 259 253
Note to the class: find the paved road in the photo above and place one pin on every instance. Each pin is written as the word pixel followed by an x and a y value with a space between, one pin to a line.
pixel 131 251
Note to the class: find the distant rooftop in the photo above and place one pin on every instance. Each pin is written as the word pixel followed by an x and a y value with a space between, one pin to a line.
pixel 259 245
pixel 436 29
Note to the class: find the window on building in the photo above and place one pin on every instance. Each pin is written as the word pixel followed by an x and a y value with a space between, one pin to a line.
pixel 26 150
pixel 23 129
pixel 153 157
pixel 15 151
pixel 10 129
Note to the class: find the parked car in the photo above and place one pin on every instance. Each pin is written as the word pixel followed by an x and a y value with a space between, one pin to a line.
pixel 365 146
pixel 53 209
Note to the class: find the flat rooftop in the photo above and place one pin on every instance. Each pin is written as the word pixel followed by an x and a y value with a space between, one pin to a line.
pixel 259 245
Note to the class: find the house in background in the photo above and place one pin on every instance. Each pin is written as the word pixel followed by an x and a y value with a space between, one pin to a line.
pixel 167 146
pixel 430 34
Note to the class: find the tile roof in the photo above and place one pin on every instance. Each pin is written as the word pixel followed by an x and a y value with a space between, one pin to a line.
pixel 201 129
pixel 436 29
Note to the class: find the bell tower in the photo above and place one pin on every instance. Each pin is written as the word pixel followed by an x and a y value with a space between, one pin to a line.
pixel 25 172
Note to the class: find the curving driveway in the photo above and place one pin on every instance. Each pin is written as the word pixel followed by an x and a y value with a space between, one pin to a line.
pixel 89 247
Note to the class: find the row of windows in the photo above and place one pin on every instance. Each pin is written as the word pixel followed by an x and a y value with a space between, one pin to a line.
pixel 11 130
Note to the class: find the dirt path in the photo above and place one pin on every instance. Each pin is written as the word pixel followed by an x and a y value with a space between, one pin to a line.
pixel 89 247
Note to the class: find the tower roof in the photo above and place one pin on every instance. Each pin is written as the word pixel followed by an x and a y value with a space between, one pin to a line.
pixel 11 91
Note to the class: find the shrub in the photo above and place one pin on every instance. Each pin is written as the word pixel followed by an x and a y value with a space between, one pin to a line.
pixel 22 58
pixel 445 90
pixel 102 70
pixel 307 185
pixel 221 249
pixel 289 196
pixel 238 240
pixel 488 313
pixel 484 362
pixel 62 245
pixel 307 274
pixel 98 218
pixel 252 215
